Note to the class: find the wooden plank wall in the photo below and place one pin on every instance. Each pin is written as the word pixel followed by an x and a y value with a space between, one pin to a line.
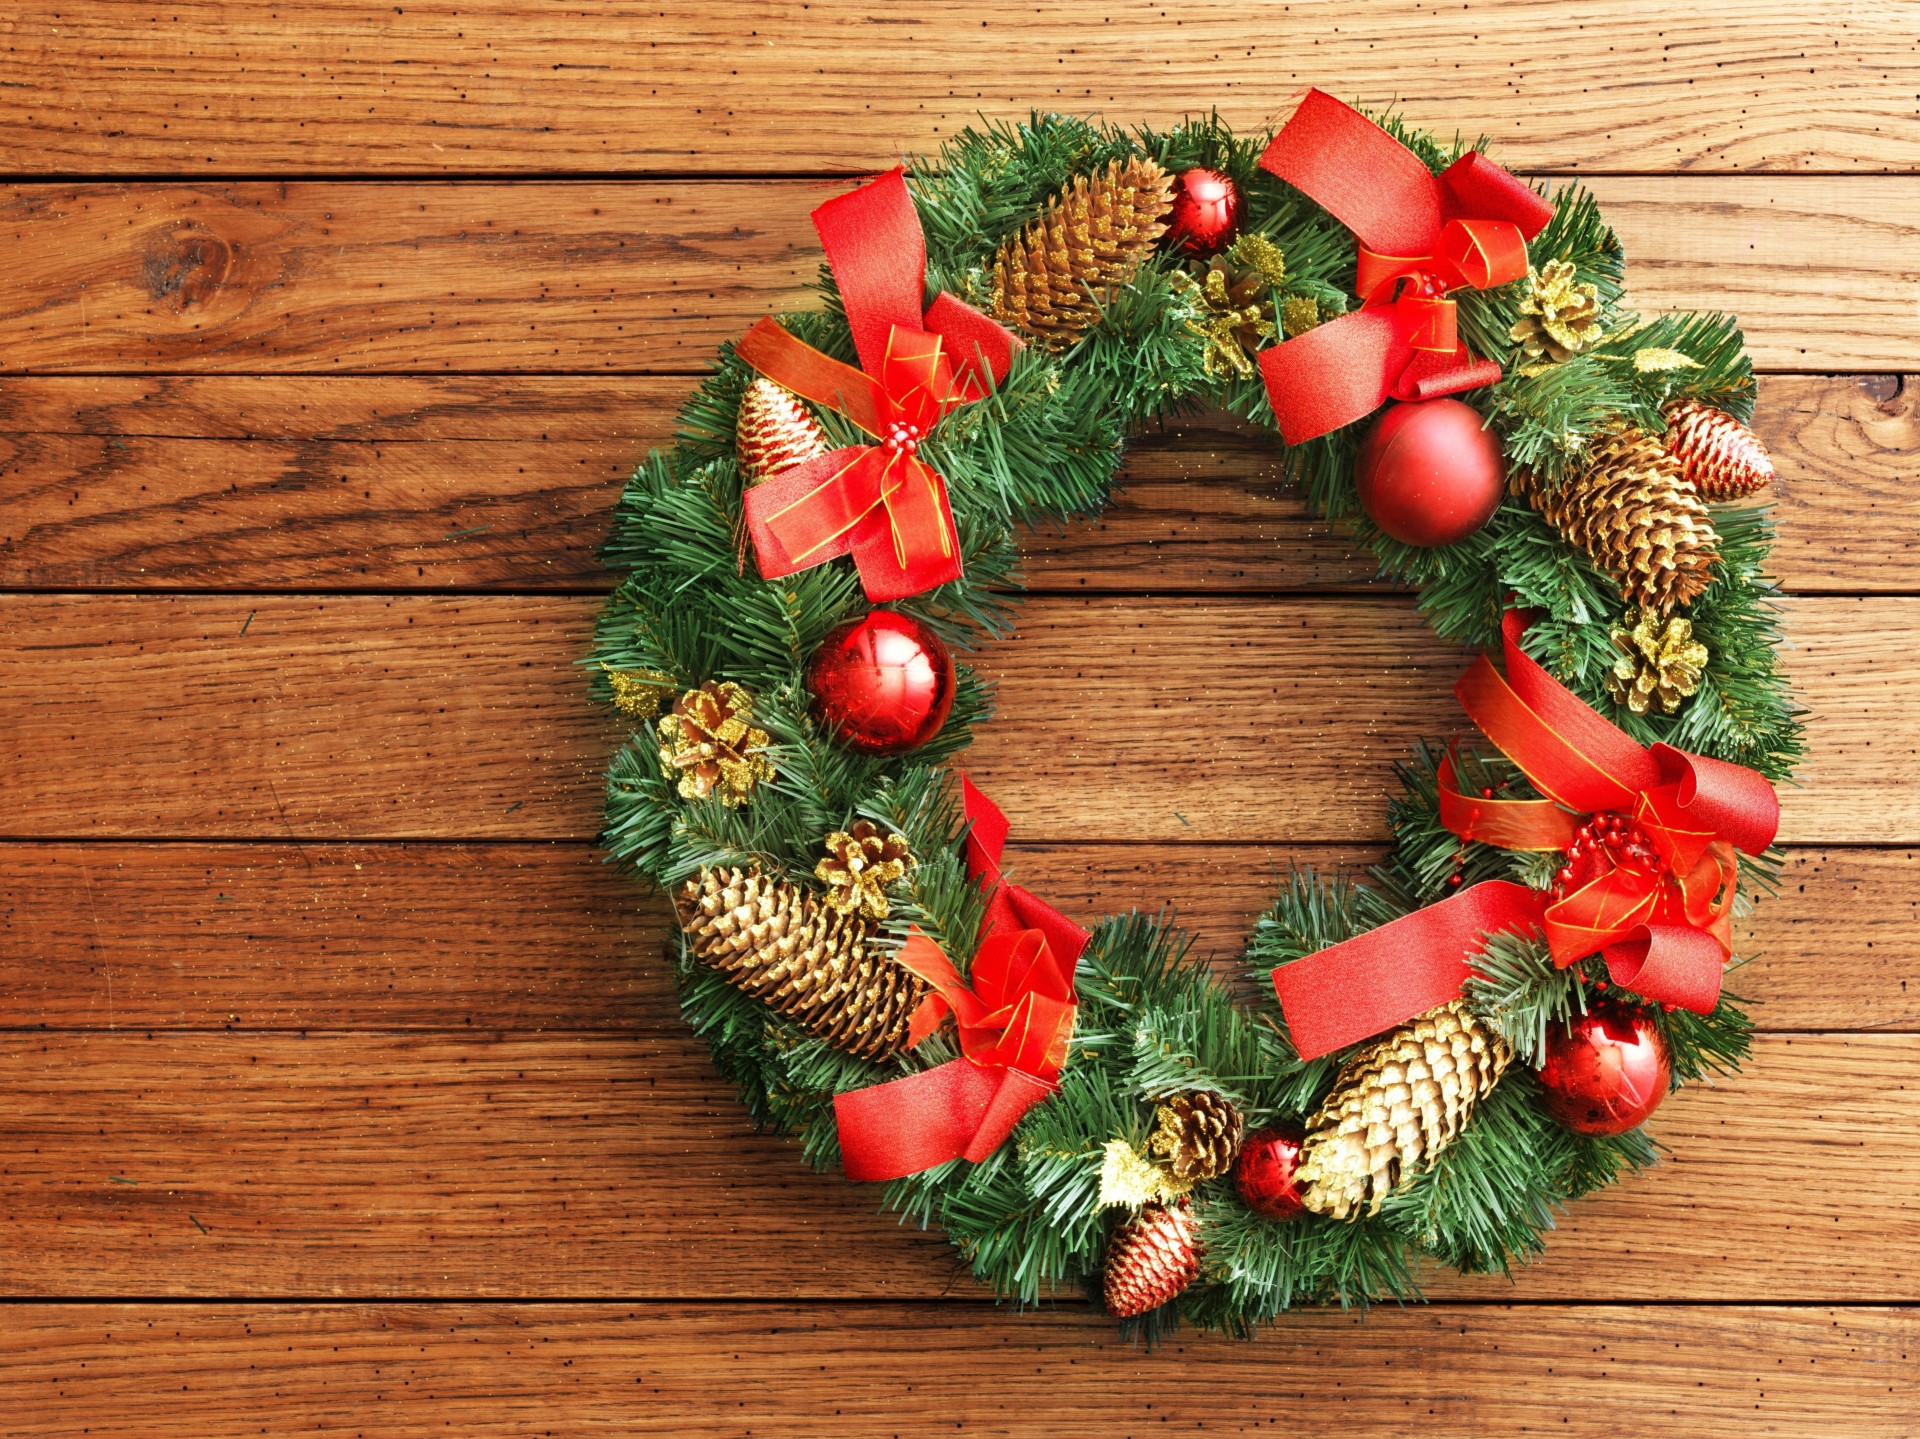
pixel 341 1085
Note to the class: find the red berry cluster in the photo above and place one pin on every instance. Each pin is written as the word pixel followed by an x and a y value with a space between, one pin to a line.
pixel 1605 842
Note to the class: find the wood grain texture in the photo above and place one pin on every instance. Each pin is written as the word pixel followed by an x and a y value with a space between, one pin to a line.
pixel 495 937
pixel 651 276
pixel 620 1166
pixel 522 85
pixel 491 1371
pixel 434 717
pixel 474 482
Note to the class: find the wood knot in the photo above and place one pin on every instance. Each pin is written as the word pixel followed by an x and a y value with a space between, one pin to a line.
pixel 187 267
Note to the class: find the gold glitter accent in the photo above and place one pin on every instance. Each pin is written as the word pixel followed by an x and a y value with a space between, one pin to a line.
pixel 1128 1177
pixel 1234 297
pixel 639 694
pixel 1298 314
pixel 859 866
pixel 1655 361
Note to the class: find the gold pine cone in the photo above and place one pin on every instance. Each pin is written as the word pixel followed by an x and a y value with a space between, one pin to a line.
pixel 858 867
pixel 1234 295
pixel 1633 514
pixel 1659 665
pixel 1559 316
pixel 776 942
pixel 710 746
pixel 1396 1104
pixel 1051 280
pixel 1196 1135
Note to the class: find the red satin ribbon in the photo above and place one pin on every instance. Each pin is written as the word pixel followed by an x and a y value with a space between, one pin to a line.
pixel 1352 991
pixel 1419 237
pixel 1015 1023
pixel 881 502
pixel 1664 927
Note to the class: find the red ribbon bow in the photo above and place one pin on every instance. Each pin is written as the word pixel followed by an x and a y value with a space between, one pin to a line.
pixel 1420 236
pixel 882 503
pixel 1015 1024
pixel 1659 911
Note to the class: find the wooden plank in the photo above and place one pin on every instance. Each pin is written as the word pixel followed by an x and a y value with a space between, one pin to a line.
pixel 687 1370
pixel 619 1166
pixel 435 717
pixel 524 936
pixel 395 483
pixel 625 276
pixel 334 85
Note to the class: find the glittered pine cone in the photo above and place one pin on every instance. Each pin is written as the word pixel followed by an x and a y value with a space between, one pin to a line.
pixel 1660 663
pixel 1559 316
pixel 1196 1135
pixel 777 942
pixel 1397 1103
pixel 1720 457
pixel 1234 297
pixel 708 744
pixel 773 432
pixel 859 866
pixel 1052 279
pixel 1152 1257
pixel 1634 515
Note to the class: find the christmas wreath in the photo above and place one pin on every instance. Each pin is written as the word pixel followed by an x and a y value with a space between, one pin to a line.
pixel 1443 1055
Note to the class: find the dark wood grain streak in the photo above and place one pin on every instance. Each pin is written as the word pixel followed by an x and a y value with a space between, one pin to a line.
pixel 619 1165
pixel 474 482
pixel 524 937
pixel 350 85
pixel 651 276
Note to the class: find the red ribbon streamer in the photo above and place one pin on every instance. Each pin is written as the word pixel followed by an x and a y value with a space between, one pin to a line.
pixel 1419 237
pixel 1663 925
pixel 881 502
pixel 1351 991
pixel 1014 1023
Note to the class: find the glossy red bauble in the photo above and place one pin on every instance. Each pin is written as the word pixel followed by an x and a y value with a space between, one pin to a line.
pixel 1264 1172
pixel 1206 213
pixel 1429 473
pixel 1607 1071
pixel 883 684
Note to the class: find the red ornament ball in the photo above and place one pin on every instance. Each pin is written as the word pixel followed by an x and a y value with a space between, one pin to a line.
pixel 1264 1172
pixel 1206 213
pixel 1429 473
pixel 1607 1071
pixel 884 683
